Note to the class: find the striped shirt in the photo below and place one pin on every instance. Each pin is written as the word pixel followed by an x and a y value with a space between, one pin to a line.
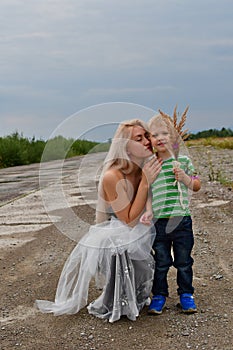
pixel 166 200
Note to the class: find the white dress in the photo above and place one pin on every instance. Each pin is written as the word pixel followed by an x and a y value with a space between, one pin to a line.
pixel 119 258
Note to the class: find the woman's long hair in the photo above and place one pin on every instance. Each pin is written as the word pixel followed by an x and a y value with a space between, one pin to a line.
pixel 118 158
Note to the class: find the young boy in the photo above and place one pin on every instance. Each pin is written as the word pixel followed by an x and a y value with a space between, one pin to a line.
pixel 169 208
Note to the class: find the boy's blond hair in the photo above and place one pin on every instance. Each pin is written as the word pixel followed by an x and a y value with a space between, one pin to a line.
pixel 159 120
pixel 177 135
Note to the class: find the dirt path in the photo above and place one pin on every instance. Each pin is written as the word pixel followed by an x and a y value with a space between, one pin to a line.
pixel 30 269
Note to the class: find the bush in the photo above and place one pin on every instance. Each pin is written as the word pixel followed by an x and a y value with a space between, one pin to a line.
pixel 18 150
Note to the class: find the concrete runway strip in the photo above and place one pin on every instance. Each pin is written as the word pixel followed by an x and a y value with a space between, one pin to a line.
pixel 33 197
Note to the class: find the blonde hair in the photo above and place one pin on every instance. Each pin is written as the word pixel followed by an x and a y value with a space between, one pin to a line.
pixel 175 128
pixel 117 155
pixel 118 158
pixel 161 120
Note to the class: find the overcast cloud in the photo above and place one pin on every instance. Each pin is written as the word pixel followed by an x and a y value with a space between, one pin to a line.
pixel 60 57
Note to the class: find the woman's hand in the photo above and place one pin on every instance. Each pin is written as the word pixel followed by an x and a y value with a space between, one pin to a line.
pixel 151 169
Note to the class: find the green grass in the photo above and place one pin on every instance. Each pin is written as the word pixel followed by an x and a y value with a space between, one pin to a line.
pixel 217 142
pixel 215 173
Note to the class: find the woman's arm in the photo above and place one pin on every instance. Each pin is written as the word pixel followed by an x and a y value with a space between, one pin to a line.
pixel 147 216
pixel 127 203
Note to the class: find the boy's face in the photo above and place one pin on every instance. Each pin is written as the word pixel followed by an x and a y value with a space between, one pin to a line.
pixel 160 138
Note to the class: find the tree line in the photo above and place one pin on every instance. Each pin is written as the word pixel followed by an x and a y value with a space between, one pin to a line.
pixel 224 132
pixel 15 149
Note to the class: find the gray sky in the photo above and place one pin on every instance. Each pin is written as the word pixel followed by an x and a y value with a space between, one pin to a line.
pixel 61 57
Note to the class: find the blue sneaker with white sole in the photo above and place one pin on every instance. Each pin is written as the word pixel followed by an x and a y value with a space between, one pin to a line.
pixel 157 304
pixel 187 303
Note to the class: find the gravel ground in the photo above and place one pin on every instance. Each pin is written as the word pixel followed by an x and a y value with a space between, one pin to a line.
pixel 30 271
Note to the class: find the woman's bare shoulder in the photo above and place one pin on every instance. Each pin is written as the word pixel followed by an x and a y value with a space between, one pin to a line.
pixel 112 174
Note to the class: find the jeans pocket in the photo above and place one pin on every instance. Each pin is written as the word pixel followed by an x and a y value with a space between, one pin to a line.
pixel 186 224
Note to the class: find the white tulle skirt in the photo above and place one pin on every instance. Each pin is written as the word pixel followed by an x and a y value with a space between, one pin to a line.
pixel 119 258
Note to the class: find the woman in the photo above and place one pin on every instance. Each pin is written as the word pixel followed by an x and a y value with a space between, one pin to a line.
pixel 116 251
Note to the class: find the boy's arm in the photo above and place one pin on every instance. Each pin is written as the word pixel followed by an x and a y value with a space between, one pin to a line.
pixel 192 182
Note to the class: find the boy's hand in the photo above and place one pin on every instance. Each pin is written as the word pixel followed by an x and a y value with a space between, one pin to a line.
pixel 180 175
pixel 147 217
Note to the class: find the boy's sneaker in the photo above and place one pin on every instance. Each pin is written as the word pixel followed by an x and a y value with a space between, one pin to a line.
pixel 187 302
pixel 157 304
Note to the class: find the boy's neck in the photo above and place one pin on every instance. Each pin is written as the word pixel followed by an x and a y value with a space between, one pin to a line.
pixel 164 155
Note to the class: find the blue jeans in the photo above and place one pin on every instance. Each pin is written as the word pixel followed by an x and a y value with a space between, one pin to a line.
pixel 177 234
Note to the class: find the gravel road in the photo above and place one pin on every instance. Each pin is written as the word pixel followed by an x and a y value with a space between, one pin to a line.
pixel 33 250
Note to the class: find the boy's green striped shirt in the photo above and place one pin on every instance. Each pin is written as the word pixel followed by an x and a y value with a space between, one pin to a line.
pixel 165 194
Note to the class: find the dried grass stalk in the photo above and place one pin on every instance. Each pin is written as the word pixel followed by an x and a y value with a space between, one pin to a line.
pixel 177 135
